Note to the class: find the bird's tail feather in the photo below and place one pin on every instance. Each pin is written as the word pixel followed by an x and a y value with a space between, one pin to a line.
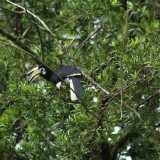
pixel 76 85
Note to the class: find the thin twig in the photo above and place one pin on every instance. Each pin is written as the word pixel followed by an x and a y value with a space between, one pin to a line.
pixel 131 108
pixel 148 98
pixel 39 33
pixel 71 43
pixel 25 32
pixel 82 44
pixel 16 12
pixel 95 127
pixel 69 22
pixel 41 43
pixel 23 50
pixel 114 95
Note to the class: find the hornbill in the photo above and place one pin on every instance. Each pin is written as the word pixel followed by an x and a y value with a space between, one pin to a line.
pixel 67 73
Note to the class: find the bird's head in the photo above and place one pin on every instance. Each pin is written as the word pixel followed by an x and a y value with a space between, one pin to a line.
pixel 38 71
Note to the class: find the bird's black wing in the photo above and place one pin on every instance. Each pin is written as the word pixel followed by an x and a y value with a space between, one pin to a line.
pixel 67 71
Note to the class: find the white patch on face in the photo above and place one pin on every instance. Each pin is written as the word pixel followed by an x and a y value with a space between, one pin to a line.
pixel 43 71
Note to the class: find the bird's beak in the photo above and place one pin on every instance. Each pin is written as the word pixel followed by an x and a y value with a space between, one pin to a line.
pixel 34 74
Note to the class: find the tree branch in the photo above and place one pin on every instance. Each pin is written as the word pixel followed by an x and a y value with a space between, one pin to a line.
pixel 132 109
pixel 16 12
pixel 41 42
pixel 82 44
pixel 39 33
pixel 20 44
pixel 147 99
pixel 33 55
pixel 61 47
pixel 114 95
pixel 40 62
pixel 79 17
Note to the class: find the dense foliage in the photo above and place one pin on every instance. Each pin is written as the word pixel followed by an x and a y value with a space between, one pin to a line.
pixel 116 43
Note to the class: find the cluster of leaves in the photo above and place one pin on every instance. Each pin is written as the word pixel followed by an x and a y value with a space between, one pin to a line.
pixel 122 56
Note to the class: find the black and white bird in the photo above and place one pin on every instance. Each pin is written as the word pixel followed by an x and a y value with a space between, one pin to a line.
pixel 68 73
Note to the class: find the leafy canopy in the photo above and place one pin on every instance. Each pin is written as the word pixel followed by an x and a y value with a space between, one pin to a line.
pixel 116 43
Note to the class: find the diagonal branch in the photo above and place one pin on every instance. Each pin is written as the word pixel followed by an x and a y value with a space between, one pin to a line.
pixel 132 109
pixel 16 12
pixel 39 33
pixel 82 44
pixel 41 43
pixel 40 62
pixel 114 95
pixel 23 50
pixel 29 52
pixel 23 46
pixel 61 47
pixel 147 99
pixel 39 20
pixel 77 18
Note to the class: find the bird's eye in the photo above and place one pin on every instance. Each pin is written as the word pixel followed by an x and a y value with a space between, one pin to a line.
pixel 43 71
